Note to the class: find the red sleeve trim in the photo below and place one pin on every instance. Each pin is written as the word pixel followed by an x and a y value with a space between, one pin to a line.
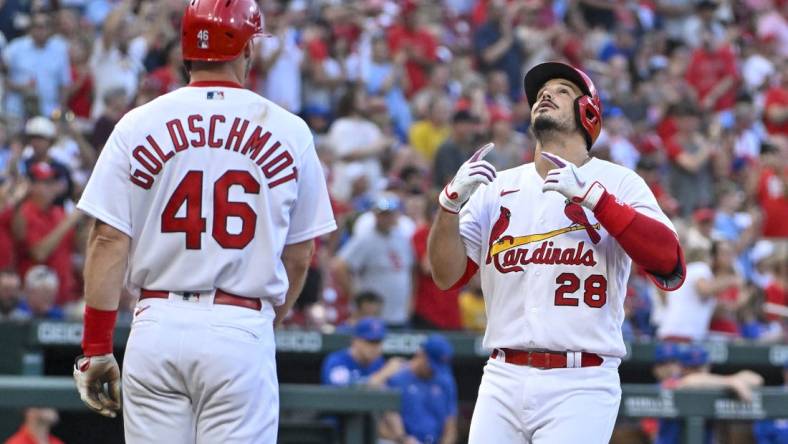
pixel 613 215
pixel 99 326
pixel 649 243
pixel 471 268
pixel 675 279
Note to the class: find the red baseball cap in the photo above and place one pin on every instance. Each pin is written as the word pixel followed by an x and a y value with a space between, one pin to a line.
pixel 41 171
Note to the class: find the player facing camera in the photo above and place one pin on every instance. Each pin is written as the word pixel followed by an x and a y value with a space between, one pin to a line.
pixel 553 240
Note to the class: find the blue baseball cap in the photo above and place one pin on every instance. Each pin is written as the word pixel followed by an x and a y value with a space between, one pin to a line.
pixel 439 352
pixel 666 352
pixel 694 356
pixel 370 329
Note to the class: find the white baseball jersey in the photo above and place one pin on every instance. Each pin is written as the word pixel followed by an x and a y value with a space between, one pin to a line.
pixel 210 182
pixel 552 277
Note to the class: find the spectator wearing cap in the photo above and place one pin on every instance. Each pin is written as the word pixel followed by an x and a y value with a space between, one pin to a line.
pixel 690 155
pixel 41 134
pixel 666 362
pixel 41 288
pixel 44 232
pixel 427 135
pixel 362 363
pixel 428 412
pixel 773 431
pixel 457 148
pixel 768 275
pixel 695 374
pixel 379 260
pixel 38 70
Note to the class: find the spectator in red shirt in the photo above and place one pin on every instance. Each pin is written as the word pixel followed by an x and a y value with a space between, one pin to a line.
pixel 775 107
pixel 80 92
pixel 418 45
pixel 170 76
pixel 434 308
pixel 45 233
pixel 772 191
pixel 36 428
pixel 712 74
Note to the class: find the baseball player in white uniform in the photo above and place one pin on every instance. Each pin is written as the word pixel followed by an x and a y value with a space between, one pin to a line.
pixel 553 241
pixel 206 201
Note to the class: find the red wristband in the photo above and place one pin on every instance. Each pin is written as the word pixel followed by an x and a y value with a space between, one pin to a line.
pixel 99 325
pixel 613 215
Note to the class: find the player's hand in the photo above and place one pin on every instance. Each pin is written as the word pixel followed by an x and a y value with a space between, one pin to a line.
pixel 90 375
pixel 567 179
pixel 472 173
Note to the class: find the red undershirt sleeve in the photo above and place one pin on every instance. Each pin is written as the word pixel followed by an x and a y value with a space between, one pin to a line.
pixel 650 243
pixel 471 268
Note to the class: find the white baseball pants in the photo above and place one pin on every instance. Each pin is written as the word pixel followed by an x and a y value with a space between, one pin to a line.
pixel 521 404
pixel 198 373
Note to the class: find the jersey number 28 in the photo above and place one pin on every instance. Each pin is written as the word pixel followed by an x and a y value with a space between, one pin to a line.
pixel 594 290
pixel 189 192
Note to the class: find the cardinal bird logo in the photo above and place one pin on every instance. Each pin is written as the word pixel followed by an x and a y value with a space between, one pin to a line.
pixel 498 229
pixel 576 214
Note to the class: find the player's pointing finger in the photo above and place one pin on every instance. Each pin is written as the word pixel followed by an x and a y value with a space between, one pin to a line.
pixel 481 152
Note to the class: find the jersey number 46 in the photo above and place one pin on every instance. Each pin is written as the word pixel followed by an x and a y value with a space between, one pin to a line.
pixel 189 192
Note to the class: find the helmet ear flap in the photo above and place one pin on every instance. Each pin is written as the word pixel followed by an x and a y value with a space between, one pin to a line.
pixel 588 118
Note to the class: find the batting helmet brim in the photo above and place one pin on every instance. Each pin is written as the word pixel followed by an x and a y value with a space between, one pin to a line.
pixel 540 74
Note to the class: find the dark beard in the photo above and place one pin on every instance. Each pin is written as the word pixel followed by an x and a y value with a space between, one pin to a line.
pixel 544 125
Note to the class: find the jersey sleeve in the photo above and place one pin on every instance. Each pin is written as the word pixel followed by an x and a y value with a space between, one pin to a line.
pixel 311 215
pixel 107 195
pixel 471 228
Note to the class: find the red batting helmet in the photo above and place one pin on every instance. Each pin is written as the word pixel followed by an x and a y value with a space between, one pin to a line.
pixel 588 107
pixel 218 30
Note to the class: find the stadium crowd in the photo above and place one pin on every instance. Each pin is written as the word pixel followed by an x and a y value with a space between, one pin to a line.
pixel 398 93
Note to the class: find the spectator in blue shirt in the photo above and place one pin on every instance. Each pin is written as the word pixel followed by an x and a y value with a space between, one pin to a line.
pixel 362 362
pixel 429 397
pixel 773 431
pixel 38 70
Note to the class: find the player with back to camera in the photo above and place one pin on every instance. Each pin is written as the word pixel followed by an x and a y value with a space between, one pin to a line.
pixel 206 201
pixel 553 241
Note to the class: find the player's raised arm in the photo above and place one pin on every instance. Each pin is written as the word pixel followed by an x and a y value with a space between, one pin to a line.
pixel 647 241
pixel 446 251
